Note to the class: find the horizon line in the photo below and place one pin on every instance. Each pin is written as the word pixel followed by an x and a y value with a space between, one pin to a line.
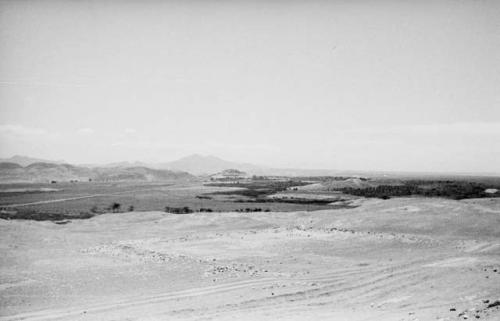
pixel 351 171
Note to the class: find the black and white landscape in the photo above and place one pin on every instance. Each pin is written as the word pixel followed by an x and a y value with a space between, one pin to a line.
pixel 249 160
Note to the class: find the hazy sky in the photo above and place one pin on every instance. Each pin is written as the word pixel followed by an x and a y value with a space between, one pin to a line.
pixel 386 85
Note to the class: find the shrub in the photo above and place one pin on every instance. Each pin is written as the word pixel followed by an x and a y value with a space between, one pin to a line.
pixel 248 210
pixel 115 207
pixel 178 210
pixel 431 188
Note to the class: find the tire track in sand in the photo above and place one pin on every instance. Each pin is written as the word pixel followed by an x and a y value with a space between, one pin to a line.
pixel 392 277
pixel 332 280
pixel 183 294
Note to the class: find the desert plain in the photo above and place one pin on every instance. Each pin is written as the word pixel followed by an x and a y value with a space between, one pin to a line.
pixel 408 258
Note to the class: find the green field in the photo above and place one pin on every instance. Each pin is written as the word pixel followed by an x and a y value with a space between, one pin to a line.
pixel 86 199
pixel 74 200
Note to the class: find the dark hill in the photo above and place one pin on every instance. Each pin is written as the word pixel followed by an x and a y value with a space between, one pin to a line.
pixel 6 165
pixel 48 172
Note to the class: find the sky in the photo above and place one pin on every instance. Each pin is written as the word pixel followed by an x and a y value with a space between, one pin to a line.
pixel 348 85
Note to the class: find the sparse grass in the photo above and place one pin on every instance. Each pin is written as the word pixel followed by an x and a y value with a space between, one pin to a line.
pixel 257 189
pixel 296 200
pixel 258 192
pixel 217 197
pixel 25 214
pixel 178 210
pixel 143 197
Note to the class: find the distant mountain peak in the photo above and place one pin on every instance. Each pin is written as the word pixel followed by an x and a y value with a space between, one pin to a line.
pixel 205 165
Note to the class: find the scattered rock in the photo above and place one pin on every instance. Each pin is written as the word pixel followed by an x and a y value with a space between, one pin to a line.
pixel 494 304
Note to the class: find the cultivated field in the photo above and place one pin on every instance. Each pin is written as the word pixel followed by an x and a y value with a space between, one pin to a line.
pixel 283 194
pixel 74 200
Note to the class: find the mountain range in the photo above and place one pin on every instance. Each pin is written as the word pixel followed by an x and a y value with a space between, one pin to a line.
pixel 197 164
pixel 204 165
pixel 41 172
pixel 28 169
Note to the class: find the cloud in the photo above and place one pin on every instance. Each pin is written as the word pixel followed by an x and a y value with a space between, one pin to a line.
pixel 21 131
pixel 39 84
pixel 19 139
pixel 211 145
pixel 130 130
pixel 459 129
pixel 85 131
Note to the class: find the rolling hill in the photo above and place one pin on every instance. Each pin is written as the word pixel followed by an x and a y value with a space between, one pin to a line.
pixel 47 172
pixel 26 160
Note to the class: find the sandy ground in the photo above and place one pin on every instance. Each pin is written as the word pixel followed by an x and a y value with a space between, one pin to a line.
pixel 400 259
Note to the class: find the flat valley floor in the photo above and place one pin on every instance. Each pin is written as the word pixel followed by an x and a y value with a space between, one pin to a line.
pixel 398 259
